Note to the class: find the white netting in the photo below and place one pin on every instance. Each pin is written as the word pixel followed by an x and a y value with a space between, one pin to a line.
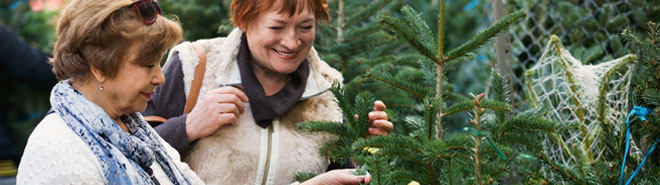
pixel 573 92
pixel 590 34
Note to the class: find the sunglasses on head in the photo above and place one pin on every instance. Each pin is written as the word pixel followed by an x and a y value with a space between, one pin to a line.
pixel 148 10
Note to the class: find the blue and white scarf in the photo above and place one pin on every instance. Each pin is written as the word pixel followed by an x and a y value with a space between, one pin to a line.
pixel 124 157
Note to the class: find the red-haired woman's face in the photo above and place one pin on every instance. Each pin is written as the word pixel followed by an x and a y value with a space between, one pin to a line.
pixel 279 42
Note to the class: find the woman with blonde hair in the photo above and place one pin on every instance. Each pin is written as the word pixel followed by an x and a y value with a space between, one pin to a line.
pixel 107 58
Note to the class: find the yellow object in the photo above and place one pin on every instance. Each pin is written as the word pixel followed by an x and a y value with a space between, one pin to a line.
pixel 371 150
pixel 7 168
pixel 413 183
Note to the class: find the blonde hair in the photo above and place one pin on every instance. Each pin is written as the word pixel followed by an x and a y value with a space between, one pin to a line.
pixel 100 32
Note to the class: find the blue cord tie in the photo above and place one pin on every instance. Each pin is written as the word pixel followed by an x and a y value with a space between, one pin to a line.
pixel 640 112
pixel 15 4
pixel 471 5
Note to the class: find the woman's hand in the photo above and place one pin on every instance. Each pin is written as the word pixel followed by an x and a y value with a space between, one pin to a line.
pixel 379 120
pixel 338 177
pixel 218 107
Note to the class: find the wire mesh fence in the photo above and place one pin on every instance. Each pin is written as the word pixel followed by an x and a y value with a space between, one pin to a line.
pixel 589 29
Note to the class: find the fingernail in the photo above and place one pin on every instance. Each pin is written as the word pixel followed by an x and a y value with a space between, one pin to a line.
pixel 362 179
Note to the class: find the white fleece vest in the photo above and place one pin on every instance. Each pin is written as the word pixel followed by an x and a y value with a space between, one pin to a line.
pixel 238 154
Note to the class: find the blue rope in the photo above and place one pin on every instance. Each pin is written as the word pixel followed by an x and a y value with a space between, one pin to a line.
pixel 471 5
pixel 642 164
pixel 640 112
pixel 15 4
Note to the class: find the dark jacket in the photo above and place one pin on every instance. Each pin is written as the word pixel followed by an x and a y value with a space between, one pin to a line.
pixel 19 63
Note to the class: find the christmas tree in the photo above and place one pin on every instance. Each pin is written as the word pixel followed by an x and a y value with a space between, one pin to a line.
pixel 646 93
pixel 483 154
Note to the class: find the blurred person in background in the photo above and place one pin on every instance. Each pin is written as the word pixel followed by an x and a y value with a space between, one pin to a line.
pixel 19 63
pixel 25 70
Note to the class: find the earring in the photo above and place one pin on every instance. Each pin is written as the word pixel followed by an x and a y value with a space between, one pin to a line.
pixel 101 87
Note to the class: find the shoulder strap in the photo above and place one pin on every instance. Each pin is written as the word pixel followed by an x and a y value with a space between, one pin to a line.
pixel 196 84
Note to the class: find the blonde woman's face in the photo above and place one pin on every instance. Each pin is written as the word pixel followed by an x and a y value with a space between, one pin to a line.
pixel 134 84
pixel 279 42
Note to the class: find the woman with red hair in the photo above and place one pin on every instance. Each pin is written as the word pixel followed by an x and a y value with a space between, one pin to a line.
pixel 259 81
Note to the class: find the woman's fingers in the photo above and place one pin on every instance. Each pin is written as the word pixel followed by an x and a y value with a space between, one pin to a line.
pixel 379 120
pixel 384 125
pixel 233 90
pixel 347 176
pixel 376 132
pixel 229 108
pixel 379 106
pixel 230 95
pixel 220 106
pixel 378 115
pixel 227 118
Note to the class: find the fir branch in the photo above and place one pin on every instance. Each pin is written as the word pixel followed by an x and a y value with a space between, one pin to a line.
pixel 441 30
pixel 303 176
pixel 371 9
pixel 485 35
pixel 541 110
pixel 335 128
pixel 534 123
pixel 430 72
pixel 651 96
pixel 408 59
pixel 364 103
pixel 434 150
pixel 383 141
pixel 415 122
pixel 431 116
pixel 440 69
pixel 356 46
pixel 467 105
pixel 336 150
pixel 343 102
pixel 412 176
pixel 328 32
pixel 403 30
pixel 362 31
pixel 403 153
pixel 530 140
pixel 478 111
pixel 565 172
pixel 500 93
pixel 454 96
pixel 451 182
pixel 420 27
pixel 465 57
pixel 459 143
pixel 495 105
pixel 403 84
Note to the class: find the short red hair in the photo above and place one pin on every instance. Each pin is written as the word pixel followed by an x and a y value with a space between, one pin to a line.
pixel 244 11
